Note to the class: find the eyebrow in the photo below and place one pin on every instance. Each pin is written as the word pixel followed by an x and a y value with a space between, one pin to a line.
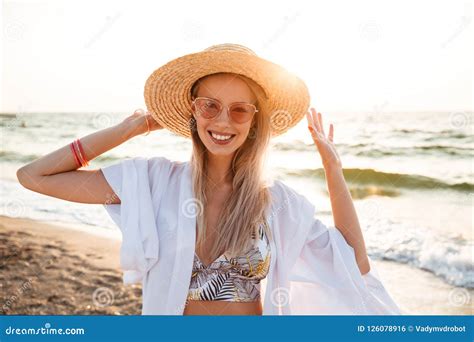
pixel 231 102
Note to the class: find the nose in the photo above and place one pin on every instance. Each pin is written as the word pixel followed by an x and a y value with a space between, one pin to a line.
pixel 223 117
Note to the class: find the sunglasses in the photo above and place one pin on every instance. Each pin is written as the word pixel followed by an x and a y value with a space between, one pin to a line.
pixel 239 112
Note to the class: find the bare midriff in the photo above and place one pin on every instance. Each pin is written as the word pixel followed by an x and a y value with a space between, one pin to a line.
pixel 221 307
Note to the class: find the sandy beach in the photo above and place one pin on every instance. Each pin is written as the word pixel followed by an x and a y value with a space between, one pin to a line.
pixel 49 270
pixel 52 270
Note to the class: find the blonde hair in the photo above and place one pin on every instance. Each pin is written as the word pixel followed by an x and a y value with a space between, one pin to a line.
pixel 244 210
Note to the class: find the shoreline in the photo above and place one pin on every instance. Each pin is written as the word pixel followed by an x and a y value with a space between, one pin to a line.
pixel 58 269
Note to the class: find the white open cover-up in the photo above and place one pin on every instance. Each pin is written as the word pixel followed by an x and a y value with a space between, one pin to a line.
pixel 313 271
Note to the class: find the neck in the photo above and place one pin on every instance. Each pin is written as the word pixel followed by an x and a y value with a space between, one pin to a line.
pixel 219 169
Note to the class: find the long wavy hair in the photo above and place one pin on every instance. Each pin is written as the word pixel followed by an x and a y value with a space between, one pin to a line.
pixel 244 209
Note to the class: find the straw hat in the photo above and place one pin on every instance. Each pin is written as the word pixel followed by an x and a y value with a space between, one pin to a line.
pixel 168 89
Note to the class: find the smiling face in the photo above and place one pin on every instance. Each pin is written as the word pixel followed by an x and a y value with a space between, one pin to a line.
pixel 227 89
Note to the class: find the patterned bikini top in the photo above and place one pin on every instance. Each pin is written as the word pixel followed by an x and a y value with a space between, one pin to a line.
pixel 232 279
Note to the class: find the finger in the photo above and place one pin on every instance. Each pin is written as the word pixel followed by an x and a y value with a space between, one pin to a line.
pixel 320 119
pixel 315 120
pixel 317 137
pixel 331 132
pixel 310 123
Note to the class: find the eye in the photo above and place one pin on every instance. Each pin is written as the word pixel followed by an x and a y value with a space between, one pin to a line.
pixel 242 109
pixel 211 105
pixel 239 109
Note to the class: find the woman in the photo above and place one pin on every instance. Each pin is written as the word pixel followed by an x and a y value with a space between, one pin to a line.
pixel 203 236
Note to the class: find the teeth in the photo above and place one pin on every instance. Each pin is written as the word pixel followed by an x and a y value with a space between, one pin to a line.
pixel 220 137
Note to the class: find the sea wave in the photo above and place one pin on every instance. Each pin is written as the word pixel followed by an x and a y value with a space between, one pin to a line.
pixel 447 256
pixel 387 180
pixel 370 149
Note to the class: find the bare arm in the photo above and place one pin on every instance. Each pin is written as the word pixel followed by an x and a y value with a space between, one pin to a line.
pixel 344 213
pixel 56 174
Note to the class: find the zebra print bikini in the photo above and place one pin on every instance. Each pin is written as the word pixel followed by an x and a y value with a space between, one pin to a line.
pixel 235 279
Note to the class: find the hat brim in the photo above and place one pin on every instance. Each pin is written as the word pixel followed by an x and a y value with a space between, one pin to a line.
pixel 168 89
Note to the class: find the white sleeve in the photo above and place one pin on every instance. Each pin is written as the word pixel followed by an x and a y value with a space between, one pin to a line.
pixel 327 279
pixel 113 176
pixel 132 181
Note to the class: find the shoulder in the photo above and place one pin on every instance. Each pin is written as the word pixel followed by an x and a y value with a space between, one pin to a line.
pixel 163 164
pixel 284 197
pixel 162 170
pixel 281 191
pixel 291 213
pixel 155 166
pixel 158 163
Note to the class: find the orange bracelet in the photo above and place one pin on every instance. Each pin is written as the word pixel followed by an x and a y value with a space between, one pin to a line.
pixel 78 153
pixel 83 155
pixel 78 163
pixel 147 125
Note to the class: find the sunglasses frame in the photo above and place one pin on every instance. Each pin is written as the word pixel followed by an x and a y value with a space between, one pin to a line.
pixel 228 107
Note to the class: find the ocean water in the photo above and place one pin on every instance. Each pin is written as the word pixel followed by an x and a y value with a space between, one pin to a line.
pixel 410 175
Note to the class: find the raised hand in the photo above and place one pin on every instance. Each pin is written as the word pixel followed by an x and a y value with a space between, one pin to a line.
pixel 326 148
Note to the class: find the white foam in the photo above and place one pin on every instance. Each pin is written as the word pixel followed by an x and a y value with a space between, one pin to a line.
pixel 448 256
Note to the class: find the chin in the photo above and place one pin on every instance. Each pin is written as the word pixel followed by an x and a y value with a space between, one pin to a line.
pixel 220 151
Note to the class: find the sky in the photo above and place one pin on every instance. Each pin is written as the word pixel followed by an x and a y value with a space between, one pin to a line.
pixel 90 56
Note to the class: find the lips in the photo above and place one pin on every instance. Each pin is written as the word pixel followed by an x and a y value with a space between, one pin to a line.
pixel 220 133
pixel 218 137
